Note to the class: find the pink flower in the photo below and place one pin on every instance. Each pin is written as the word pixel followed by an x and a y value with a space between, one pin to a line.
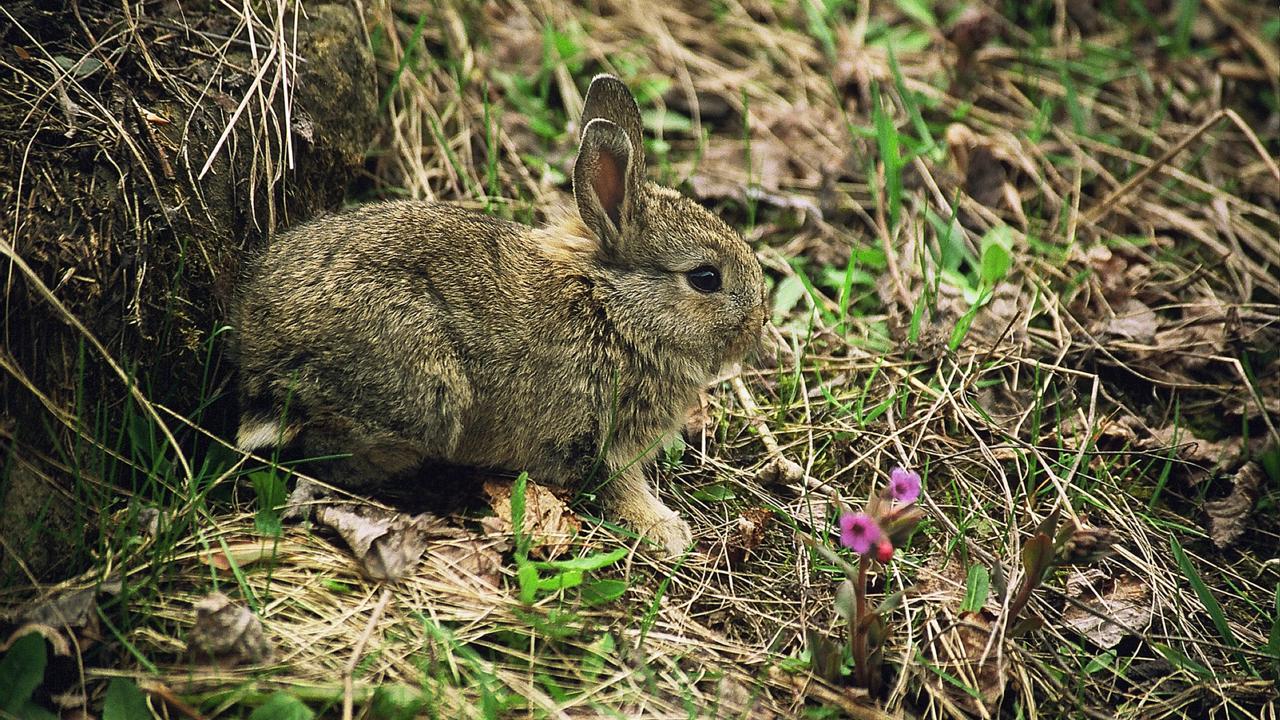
pixel 904 485
pixel 858 531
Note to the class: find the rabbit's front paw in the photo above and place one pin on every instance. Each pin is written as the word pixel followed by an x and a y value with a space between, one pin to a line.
pixel 671 532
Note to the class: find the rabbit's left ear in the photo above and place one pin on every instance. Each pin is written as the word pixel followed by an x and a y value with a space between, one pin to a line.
pixel 606 184
pixel 610 98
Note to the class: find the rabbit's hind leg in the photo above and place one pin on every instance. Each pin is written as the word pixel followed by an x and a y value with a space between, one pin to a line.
pixel 358 459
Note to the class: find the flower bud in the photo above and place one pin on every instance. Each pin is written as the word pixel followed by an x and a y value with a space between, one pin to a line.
pixel 884 550
pixel 1086 545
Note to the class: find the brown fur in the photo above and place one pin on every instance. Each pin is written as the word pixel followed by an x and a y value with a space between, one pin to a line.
pixel 406 331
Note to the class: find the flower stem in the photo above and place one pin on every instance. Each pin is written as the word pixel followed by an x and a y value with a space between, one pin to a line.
pixel 861 673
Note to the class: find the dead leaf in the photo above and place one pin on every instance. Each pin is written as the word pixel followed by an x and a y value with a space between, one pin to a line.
pixel 1203 331
pixel 789 147
pixel 476 560
pixel 386 543
pixel 1212 455
pixel 74 609
pixel 698 420
pixel 228 632
pixel 245 554
pixel 1123 602
pixel 975 27
pixel 961 650
pixel 547 520
pixel 1229 516
pixel 1133 321
pixel 987 166
pixel 751 528
pixel 1118 272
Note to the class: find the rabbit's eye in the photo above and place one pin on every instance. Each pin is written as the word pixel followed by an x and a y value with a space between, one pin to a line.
pixel 704 278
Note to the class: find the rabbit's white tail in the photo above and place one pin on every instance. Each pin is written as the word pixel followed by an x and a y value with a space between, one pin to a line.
pixel 256 433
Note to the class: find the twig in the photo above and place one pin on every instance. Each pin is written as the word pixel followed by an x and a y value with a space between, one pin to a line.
pixel 348 672
pixel 1109 202
pixel 779 467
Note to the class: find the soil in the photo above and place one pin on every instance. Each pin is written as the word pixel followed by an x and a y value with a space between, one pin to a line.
pixel 106 123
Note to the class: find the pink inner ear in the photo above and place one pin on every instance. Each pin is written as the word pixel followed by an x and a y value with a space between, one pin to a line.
pixel 607 182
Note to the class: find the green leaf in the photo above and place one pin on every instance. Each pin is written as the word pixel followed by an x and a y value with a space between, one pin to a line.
pixel 977 589
pixel 599 592
pixel 665 121
pixel 560 581
pixel 1026 625
pixel 1100 662
pixel 887 144
pixel 124 701
pixel 963 324
pixel 397 701
pixel 1207 599
pixel 786 294
pixel 815 17
pixel 1177 659
pixel 527 576
pixel 715 492
pixel 891 602
pixel 282 706
pixel 595 561
pixel 597 654
pixel 918 10
pixel 999 581
pixel 517 517
pixel 1037 555
pixel 825 656
pixel 845 601
pixel 270 490
pixel 997 255
pixel 23 668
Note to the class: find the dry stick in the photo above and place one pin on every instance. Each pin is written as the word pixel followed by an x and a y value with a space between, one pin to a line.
pixel 348 672
pixel 787 470
pixel 1108 203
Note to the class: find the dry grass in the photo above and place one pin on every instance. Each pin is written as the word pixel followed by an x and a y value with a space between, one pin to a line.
pixel 1122 372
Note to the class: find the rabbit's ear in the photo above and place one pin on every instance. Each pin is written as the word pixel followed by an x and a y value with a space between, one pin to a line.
pixel 605 182
pixel 609 98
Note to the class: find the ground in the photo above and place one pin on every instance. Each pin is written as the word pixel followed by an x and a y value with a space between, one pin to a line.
pixel 1027 250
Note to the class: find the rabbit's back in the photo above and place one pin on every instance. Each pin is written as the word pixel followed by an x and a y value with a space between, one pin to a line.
pixel 423 322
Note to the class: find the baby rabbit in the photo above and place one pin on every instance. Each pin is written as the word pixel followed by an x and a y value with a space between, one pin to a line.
pixel 409 331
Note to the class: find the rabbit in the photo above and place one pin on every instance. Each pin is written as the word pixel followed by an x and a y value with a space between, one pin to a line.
pixel 408 331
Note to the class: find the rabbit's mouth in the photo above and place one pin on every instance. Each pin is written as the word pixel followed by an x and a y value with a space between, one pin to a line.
pixel 749 341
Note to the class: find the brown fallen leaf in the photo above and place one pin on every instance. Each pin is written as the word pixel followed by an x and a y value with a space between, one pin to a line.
pixel 1118 272
pixel 698 420
pixel 76 609
pixel 751 528
pixel 547 520
pixel 386 543
pixel 975 27
pixel 1204 330
pixel 244 554
pixel 988 168
pixel 474 560
pixel 1229 516
pixel 228 632
pixel 961 650
pixel 1133 321
pixel 1123 602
